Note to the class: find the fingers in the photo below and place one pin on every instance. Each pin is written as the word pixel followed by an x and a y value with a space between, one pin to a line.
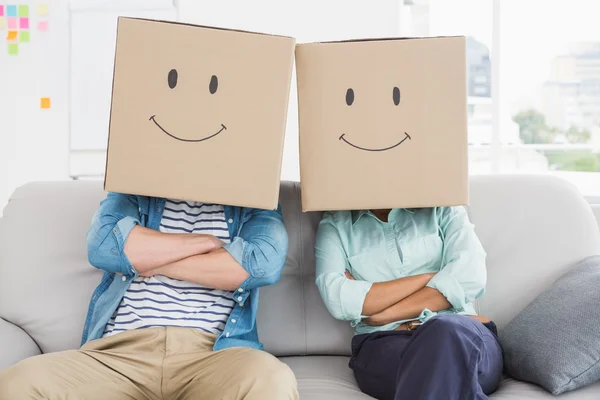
pixel 349 275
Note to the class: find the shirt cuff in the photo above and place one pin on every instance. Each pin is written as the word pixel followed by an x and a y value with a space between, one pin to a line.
pixel 426 315
pixel 236 249
pixel 121 231
pixel 452 290
pixel 353 294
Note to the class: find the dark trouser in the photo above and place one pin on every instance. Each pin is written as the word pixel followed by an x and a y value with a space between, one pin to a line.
pixel 451 357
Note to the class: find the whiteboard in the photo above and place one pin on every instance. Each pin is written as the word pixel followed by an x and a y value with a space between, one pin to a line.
pixel 93 36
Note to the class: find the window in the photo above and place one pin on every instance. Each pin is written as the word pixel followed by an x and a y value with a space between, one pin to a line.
pixel 533 83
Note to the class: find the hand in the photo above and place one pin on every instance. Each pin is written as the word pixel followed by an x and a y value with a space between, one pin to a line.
pixel 208 243
pixel 217 243
pixel 349 275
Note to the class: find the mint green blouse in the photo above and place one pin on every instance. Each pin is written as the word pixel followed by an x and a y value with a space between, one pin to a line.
pixel 438 240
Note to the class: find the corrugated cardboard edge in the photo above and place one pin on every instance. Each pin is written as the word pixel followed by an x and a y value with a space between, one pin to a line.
pixel 464 203
pixel 382 39
pixel 284 127
pixel 303 199
pixel 111 104
pixel 208 199
pixel 207 27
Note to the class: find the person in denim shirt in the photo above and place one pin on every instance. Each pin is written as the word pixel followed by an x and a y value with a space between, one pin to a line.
pixel 407 279
pixel 133 239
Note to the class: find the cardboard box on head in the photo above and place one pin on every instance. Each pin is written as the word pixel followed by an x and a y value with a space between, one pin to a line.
pixel 198 113
pixel 383 123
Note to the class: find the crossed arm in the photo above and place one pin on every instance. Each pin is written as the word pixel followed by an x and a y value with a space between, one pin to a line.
pixel 401 299
pixel 194 258
pixel 117 243
pixel 460 280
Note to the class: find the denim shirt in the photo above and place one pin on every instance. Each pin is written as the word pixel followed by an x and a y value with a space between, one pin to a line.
pixel 259 244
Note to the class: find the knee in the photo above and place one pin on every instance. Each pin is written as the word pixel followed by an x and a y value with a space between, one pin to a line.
pixel 277 380
pixel 284 382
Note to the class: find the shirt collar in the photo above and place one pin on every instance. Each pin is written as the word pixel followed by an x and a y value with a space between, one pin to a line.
pixel 356 214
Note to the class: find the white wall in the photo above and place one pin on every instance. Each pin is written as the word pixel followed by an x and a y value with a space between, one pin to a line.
pixel 34 143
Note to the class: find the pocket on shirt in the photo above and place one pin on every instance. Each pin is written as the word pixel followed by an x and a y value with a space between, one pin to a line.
pixel 423 254
pixel 372 266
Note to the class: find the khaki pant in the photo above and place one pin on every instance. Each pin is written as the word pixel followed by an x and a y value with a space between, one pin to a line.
pixel 156 363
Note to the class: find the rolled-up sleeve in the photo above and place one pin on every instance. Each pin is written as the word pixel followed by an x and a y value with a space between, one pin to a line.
pixel 463 275
pixel 261 249
pixel 343 297
pixel 110 228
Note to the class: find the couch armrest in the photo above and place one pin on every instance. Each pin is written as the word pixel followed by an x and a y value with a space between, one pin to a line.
pixel 15 344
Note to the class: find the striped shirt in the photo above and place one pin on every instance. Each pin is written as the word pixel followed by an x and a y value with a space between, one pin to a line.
pixel 162 301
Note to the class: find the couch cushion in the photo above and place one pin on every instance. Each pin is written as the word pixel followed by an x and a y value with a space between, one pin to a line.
pixel 554 342
pixel 329 378
pixel 325 378
pixel 533 228
pixel 45 279
pixel 292 319
pixel 511 389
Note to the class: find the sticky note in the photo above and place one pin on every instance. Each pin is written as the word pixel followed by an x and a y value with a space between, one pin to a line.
pixel 45 102
pixel 1 10
pixel 12 23
pixel 42 26
pixel 23 11
pixel 13 49
pixel 24 23
pixel 24 36
pixel 2 24
pixel 11 11
pixel 12 35
pixel 42 9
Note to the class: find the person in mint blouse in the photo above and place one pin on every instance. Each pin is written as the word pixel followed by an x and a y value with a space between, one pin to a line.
pixel 407 279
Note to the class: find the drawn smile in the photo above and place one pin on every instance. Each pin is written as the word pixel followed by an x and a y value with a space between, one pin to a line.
pixel 407 136
pixel 223 127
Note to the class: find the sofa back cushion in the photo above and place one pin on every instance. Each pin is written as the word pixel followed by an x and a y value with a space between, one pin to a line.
pixel 532 227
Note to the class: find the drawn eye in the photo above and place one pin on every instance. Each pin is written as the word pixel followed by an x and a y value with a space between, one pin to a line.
pixel 172 78
pixel 349 96
pixel 213 85
pixel 396 95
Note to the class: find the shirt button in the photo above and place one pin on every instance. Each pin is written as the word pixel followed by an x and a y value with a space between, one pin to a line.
pixel 233 321
pixel 241 290
pixel 227 334
pixel 239 298
pixel 230 220
pixel 123 278
pixel 115 230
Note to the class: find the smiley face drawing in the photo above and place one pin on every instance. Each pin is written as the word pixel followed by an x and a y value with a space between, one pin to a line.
pixel 172 79
pixel 396 100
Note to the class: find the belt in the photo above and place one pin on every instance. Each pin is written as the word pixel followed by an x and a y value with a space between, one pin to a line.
pixel 414 325
pixel 409 326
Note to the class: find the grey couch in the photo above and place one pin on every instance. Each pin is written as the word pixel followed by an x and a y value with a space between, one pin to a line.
pixel 533 228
